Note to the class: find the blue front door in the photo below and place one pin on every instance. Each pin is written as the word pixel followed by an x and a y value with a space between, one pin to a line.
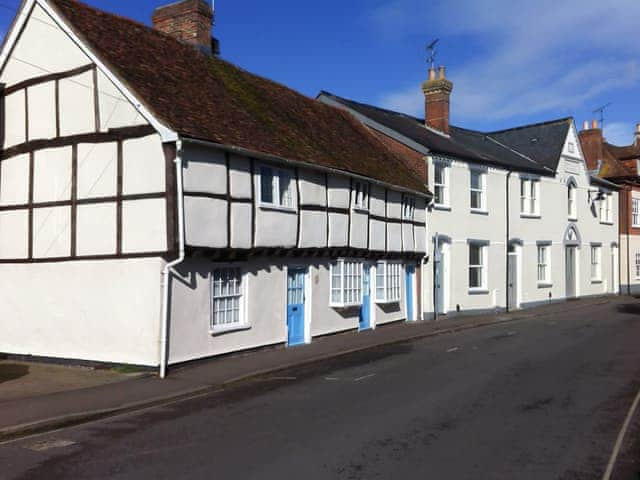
pixel 295 306
pixel 411 270
pixel 365 310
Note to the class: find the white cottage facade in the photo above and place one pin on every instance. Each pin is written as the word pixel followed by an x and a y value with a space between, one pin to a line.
pixel 516 219
pixel 138 226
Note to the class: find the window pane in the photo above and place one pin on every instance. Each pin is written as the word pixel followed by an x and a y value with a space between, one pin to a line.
pixel 476 180
pixel 476 199
pixel 439 174
pixel 285 189
pixel 475 277
pixel 266 185
pixel 474 255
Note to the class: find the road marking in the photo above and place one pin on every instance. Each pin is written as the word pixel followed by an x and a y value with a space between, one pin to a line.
pixel 620 439
pixel 49 444
pixel 359 379
pixel 454 349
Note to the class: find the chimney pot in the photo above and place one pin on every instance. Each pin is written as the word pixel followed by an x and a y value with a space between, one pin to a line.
pixel 594 124
pixel 585 125
pixel 637 128
pixel 441 72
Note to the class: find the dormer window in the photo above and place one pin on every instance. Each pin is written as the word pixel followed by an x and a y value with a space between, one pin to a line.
pixel 360 195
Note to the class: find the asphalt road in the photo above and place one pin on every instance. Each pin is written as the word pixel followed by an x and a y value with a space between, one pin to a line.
pixel 542 398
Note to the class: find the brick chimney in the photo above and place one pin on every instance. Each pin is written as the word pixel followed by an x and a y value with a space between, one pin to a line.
pixel 592 143
pixel 437 92
pixel 189 21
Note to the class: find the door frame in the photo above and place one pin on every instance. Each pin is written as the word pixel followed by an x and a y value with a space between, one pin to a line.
pixel 307 300
pixel 414 309
pixel 443 243
pixel 516 244
pixel 615 269
pixel 572 239
pixel 372 292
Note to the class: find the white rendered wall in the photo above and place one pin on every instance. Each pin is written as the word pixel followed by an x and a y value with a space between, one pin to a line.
pixel 265 283
pixel 104 311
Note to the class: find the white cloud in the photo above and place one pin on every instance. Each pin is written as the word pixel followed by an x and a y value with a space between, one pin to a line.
pixel 534 57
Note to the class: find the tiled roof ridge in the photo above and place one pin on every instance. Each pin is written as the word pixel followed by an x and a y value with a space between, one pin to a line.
pixel 386 110
pixel 531 125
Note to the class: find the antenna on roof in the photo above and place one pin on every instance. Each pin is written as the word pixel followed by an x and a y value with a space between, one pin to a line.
pixel 601 110
pixel 431 48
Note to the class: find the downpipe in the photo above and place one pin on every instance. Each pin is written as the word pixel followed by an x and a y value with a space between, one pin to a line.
pixel 166 271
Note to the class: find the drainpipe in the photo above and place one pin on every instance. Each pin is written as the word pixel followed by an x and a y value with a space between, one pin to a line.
pixel 166 271
pixel 506 291
pixel 627 221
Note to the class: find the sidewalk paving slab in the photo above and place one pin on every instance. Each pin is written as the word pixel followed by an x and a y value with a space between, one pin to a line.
pixel 44 413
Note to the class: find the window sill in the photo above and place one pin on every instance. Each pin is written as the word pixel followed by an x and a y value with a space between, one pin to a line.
pixel 214 332
pixel 530 215
pixel 635 226
pixel 545 284
pixel 606 223
pixel 387 302
pixel 479 211
pixel 444 208
pixel 277 208
pixel 478 291
pixel 573 219
pixel 345 306
pixel 596 282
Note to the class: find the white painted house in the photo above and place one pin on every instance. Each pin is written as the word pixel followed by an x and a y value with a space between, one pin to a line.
pixel 159 205
pixel 516 220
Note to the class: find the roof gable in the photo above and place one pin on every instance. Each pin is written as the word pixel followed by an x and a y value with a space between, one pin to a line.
pixel 542 142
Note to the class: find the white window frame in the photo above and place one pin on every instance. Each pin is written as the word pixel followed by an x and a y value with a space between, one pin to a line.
pixel 482 191
pixel 241 296
pixel 408 207
pixel 596 263
pixel 637 265
pixel 444 185
pixel 278 200
pixel 572 200
pixel 350 288
pixel 529 197
pixel 544 264
pixel 360 195
pixel 635 212
pixel 483 266
pixel 388 282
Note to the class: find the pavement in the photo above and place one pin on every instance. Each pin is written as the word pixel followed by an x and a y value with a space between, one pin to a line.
pixel 21 380
pixel 539 397
pixel 45 412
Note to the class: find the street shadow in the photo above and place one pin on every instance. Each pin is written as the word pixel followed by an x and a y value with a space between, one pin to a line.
pixel 12 371
pixel 631 308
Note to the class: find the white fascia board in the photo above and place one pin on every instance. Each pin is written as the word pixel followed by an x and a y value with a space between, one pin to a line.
pixel 165 133
pixel 15 30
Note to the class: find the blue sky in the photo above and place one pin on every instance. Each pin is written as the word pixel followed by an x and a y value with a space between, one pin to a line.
pixel 511 61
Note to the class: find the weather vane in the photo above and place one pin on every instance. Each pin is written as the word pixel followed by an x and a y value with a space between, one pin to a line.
pixel 431 48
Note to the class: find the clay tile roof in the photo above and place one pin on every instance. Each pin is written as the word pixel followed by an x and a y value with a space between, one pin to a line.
pixel 627 152
pixel 207 98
